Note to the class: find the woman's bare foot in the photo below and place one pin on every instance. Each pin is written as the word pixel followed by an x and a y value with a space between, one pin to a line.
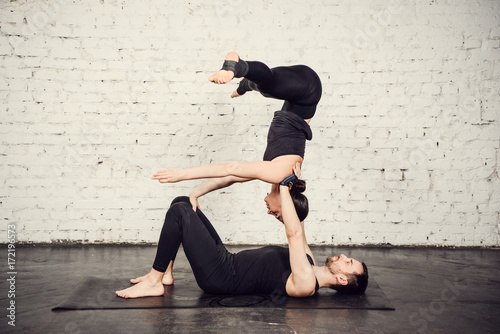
pixel 150 285
pixel 223 76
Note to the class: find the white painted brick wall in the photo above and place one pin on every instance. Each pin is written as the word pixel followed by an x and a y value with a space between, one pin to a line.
pixel 98 95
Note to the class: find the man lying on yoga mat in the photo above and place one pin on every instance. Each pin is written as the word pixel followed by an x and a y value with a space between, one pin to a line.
pixel 276 270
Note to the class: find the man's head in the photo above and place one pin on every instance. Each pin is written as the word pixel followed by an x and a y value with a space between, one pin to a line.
pixel 273 201
pixel 350 276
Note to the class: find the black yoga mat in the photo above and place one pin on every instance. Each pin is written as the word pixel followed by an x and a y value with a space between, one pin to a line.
pixel 94 293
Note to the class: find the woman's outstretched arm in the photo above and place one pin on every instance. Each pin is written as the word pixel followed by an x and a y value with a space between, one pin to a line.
pixel 267 171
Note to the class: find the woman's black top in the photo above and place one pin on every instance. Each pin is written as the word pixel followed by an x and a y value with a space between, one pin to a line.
pixel 287 135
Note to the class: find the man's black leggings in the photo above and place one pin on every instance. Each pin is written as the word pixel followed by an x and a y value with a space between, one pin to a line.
pixel 211 262
pixel 299 86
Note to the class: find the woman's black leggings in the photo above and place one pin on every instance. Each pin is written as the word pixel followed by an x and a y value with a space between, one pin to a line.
pixel 211 262
pixel 298 85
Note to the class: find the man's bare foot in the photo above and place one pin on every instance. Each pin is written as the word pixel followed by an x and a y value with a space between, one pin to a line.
pixel 223 76
pixel 149 285
pixel 168 279
pixel 137 279
pixel 142 289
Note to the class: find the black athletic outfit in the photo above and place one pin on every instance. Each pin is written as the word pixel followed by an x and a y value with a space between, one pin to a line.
pixel 300 87
pixel 218 271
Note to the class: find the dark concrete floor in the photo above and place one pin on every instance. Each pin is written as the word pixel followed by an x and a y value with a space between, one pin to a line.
pixel 433 290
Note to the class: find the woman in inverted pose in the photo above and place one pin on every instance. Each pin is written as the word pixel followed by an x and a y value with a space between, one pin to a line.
pixel 300 88
pixel 274 270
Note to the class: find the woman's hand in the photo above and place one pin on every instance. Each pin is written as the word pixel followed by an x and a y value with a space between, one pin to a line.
pixel 235 94
pixel 296 170
pixel 193 199
pixel 171 175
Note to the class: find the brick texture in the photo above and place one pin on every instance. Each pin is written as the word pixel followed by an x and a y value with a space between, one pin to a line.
pixel 98 95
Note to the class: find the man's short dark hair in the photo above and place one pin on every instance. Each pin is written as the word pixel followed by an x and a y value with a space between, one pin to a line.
pixel 356 283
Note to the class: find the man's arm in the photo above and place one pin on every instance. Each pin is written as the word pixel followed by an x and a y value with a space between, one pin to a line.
pixel 302 281
pixel 308 250
pixel 297 171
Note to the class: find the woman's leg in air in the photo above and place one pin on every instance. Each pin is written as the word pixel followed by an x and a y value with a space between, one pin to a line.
pixel 299 86
pixel 255 71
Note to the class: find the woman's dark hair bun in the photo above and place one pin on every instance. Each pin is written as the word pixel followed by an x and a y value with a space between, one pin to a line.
pixel 300 200
pixel 299 186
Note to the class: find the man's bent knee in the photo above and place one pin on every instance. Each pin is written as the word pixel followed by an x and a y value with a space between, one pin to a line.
pixel 180 199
